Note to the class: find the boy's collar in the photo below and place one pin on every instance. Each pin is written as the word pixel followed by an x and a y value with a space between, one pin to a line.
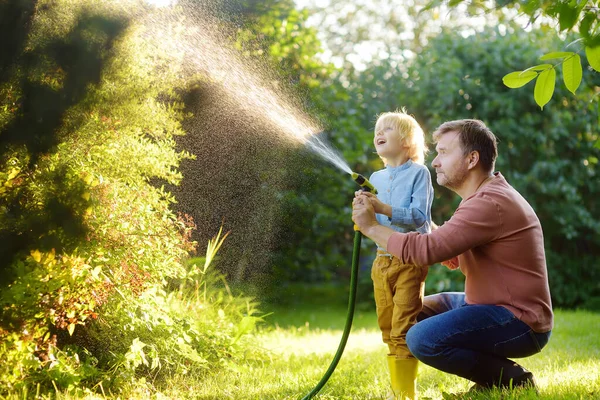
pixel 400 167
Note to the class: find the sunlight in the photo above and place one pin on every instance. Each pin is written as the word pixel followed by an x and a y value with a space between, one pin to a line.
pixel 161 3
pixel 288 343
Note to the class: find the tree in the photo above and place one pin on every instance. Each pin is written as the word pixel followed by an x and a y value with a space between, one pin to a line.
pixel 356 34
pixel 581 16
pixel 550 158
pixel 246 161
pixel 96 279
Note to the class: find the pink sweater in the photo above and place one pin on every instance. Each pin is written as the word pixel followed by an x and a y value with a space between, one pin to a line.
pixel 499 245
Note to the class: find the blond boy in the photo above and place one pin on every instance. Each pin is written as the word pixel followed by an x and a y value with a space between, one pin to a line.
pixel 403 202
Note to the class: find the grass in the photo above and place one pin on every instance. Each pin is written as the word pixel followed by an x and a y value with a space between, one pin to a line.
pixel 299 339
pixel 300 343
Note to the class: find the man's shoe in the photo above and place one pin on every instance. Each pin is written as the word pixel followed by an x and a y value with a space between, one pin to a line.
pixel 526 381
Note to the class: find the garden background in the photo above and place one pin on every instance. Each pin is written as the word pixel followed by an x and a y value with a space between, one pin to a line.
pixel 161 236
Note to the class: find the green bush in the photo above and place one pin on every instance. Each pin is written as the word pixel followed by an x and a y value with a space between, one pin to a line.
pixel 97 289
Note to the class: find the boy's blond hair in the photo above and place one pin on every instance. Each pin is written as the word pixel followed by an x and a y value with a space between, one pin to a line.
pixel 408 130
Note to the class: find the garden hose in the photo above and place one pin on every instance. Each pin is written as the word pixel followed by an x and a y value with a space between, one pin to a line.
pixel 366 186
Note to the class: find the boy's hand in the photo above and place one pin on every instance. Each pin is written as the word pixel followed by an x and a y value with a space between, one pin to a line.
pixel 363 214
pixel 451 263
pixel 378 205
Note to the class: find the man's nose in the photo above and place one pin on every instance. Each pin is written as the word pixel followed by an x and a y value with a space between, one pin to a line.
pixel 435 162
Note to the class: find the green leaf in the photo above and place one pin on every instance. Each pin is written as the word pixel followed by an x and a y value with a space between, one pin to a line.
pixel 568 16
pixel 593 57
pixel 430 5
pixel 518 78
pixel 540 67
pixel 556 54
pixel 586 24
pixel 572 72
pixel 544 87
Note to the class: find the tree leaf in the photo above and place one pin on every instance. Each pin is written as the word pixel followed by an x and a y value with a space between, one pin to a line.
pixel 572 72
pixel 544 87
pixel 556 54
pixel 518 78
pixel 568 16
pixel 593 57
pixel 540 67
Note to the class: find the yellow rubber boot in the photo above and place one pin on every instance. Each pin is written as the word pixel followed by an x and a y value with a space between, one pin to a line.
pixel 403 373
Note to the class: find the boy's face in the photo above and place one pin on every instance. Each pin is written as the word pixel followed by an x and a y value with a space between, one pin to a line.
pixel 387 141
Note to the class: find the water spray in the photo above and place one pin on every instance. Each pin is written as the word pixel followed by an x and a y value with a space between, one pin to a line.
pixel 366 186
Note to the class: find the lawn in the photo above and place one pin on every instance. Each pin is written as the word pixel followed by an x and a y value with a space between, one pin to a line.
pixel 298 339
pixel 299 342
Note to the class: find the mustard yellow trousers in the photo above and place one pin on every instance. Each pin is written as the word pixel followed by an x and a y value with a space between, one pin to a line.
pixel 399 289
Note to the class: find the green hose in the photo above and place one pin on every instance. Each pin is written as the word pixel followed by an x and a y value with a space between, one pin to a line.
pixel 349 317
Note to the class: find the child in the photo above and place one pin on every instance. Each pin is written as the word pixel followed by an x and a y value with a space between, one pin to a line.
pixel 403 202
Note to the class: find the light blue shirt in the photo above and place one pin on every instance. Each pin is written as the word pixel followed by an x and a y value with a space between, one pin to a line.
pixel 408 189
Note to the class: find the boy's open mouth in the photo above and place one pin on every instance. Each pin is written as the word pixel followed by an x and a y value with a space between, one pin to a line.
pixel 380 141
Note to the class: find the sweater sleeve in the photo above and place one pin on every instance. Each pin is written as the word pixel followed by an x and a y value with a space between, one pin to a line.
pixel 476 222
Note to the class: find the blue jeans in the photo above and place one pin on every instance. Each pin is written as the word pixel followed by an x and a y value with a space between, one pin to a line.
pixel 472 341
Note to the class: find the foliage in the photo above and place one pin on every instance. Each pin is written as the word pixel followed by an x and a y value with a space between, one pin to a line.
pixel 551 160
pixel 449 79
pixel 245 173
pixel 362 32
pixel 95 289
pixel 581 16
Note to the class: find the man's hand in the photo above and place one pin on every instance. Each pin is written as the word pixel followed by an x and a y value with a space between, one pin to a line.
pixel 378 205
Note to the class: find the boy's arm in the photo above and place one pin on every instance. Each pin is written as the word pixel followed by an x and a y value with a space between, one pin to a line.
pixel 379 206
pixel 415 215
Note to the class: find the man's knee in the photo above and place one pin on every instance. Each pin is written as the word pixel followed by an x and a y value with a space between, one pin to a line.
pixel 416 342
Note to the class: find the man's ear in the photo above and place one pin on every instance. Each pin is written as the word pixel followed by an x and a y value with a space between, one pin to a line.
pixel 473 159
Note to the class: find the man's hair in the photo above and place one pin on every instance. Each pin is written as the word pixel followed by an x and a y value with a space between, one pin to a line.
pixel 473 136
pixel 408 130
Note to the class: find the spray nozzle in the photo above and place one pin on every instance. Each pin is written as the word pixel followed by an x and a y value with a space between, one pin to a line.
pixel 364 183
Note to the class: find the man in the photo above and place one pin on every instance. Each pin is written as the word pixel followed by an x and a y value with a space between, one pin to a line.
pixel 496 240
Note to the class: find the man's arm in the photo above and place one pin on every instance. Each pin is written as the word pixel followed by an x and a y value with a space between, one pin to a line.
pixel 452 263
pixel 476 222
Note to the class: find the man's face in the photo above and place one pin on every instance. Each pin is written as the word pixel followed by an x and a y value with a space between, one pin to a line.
pixel 450 164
